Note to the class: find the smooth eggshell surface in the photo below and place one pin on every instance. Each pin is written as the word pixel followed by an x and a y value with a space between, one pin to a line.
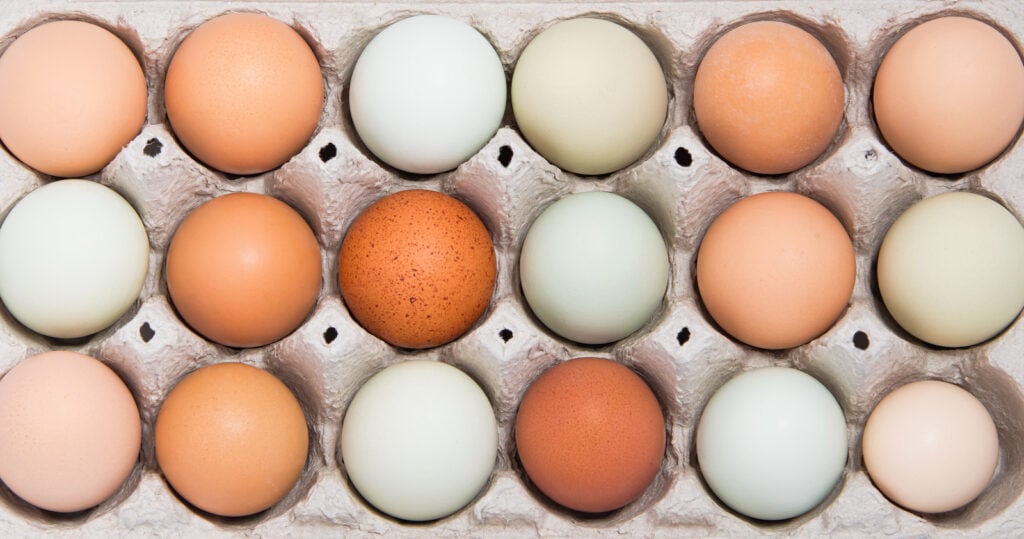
pixel 73 258
pixel 244 93
pixel 594 267
pixel 70 431
pixel 776 270
pixel 590 434
pixel 768 97
pixel 419 440
pixel 244 269
pixel 72 94
pixel 949 95
pixel 427 93
pixel 930 446
pixel 950 267
pixel 771 443
pixel 417 268
pixel 589 95
pixel 231 439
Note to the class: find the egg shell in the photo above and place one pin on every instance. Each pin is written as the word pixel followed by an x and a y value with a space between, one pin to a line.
pixel 417 268
pixel 72 95
pixel 590 434
pixel 949 269
pixel 74 255
pixel 949 95
pixel 419 440
pixel 931 446
pixel 771 443
pixel 244 93
pixel 580 263
pixel 427 93
pixel 768 96
pixel 589 95
pixel 71 431
pixel 231 439
pixel 775 270
pixel 244 269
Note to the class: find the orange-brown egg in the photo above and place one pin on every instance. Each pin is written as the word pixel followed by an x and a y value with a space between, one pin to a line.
pixel 244 93
pixel 244 269
pixel 776 270
pixel 768 97
pixel 590 434
pixel 231 439
pixel 417 268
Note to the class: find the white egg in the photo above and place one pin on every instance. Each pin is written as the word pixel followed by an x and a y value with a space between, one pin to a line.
pixel 771 443
pixel 419 440
pixel 950 269
pixel 594 267
pixel 427 93
pixel 73 258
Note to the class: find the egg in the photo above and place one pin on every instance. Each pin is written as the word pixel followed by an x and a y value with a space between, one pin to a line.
pixel 70 431
pixel 594 267
pixel 776 270
pixel 949 269
pixel 427 93
pixel 930 446
pixel 589 95
pixel 243 269
pixel 244 93
pixel 231 439
pixel 73 258
pixel 72 94
pixel 419 440
pixel 771 443
pixel 768 97
pixel 590 434
pixel 949 95
pixel 417 268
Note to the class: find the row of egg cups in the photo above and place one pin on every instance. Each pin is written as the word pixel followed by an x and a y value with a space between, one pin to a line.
pixel 480 177
pixel 402 153
pixel 307 362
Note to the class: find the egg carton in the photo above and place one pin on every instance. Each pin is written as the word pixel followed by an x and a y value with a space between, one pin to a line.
pixel 680 182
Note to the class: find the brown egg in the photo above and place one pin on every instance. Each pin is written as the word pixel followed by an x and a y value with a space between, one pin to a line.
pixel 244 93
pixel 417 269
pixel 244 269
pixel 768 97
pixel 231 439
pixel 949 95
pixel 590 434
pixel 72 94
pixel 776 270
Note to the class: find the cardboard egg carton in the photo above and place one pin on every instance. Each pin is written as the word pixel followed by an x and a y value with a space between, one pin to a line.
pixel 680 182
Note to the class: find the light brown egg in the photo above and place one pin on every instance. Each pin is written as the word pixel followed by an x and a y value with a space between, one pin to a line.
pixel 949 95
pixel 244 93
pixel 72 95
pixel 244 269
pixel 776 270
pixel 590 434
pixel 417 268
pixel 768 97
pixel 231 439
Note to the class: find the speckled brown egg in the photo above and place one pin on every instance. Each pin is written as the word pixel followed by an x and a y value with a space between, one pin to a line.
pixel 590 434
pixel 417 269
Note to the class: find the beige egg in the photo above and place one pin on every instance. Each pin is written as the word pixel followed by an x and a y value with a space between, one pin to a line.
pixel 949 95
pixel 72 94
pixel 70 431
